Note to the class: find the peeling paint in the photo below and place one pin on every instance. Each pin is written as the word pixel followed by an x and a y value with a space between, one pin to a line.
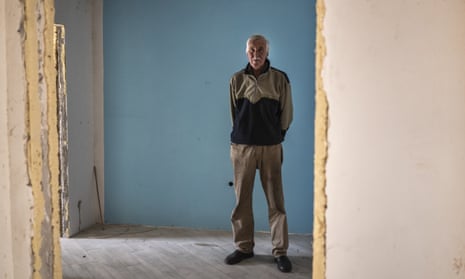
pixel 34 145
pixel 321 152
pixel 42 142
pixel 54 162
pixel 62 128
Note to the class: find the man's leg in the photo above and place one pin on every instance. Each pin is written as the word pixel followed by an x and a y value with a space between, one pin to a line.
pixel 244 165
pixel 270 175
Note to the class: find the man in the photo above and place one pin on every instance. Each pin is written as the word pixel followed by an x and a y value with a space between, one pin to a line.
pixel 261 111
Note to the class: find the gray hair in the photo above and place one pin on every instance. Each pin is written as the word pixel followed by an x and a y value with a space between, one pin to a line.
pixel 257 37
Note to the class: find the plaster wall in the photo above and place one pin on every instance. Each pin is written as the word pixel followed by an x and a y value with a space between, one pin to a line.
pixel 6 264
pixel 84 74
pixel 30 244
pixel 15 193
pixel 394 78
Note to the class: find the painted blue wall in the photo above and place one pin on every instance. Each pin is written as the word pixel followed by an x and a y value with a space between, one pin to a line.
pixel 167 122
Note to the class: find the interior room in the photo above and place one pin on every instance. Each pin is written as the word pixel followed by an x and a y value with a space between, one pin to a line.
pixel 373 162
pixel 165 113
pixel 165 108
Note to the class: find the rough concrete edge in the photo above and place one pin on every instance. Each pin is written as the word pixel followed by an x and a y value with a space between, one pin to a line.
pixel 41 75
pixel 60 34
pixel 34 145
pixel 321 151
pixel 50 71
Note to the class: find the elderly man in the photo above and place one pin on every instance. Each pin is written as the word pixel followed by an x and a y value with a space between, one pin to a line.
pixel 261 111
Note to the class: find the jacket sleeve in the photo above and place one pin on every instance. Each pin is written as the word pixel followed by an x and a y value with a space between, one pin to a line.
pixel 286 106
pixel 232 99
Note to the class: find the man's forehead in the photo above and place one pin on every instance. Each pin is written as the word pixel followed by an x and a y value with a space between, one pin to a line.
pixel 257 42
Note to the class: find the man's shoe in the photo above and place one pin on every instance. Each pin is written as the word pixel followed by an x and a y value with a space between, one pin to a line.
pixel 237 256
pixel 284 264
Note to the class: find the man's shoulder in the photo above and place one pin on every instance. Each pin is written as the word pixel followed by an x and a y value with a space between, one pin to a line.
pixel 238 75
pixel 240 72
pixel 280 72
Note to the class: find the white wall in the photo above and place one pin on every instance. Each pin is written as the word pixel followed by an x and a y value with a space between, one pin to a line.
pixel 15 193
pixel 395 81
pixel 84 72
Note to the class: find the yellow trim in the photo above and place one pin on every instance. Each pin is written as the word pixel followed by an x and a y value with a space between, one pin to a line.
pixel 321 152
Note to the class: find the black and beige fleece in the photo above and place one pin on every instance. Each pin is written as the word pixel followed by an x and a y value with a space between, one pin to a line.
pixel 261 108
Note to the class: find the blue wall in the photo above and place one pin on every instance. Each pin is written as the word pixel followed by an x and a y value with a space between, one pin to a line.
pixel 167 123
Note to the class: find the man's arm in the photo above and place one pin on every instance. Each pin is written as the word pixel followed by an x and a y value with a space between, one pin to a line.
pixel 232 100
pixel 286 108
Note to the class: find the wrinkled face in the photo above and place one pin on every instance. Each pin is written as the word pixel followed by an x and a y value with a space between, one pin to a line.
pixel 257 53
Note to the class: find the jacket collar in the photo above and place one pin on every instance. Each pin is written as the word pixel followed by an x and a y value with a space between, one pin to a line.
pixel 248 69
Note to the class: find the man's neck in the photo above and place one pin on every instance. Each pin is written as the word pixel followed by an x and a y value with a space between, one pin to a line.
pixel 258 72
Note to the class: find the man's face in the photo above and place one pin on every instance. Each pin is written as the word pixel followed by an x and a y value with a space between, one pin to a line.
pixel 257 53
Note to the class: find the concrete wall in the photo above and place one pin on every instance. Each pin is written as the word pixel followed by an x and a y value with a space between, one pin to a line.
pixel 15 195
pixel 84 72
pixel 28 148
pixel 394 81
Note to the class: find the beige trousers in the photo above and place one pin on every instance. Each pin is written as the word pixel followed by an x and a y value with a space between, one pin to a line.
pixel 246 159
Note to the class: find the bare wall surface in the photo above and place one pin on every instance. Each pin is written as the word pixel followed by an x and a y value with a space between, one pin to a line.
pixel 15 191
pixel 84 70
pixel 30 243
pixel 394 77
pixel 6 245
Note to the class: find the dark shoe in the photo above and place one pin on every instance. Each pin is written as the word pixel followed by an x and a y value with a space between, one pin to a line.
pixel 284 264
pixel 236 257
